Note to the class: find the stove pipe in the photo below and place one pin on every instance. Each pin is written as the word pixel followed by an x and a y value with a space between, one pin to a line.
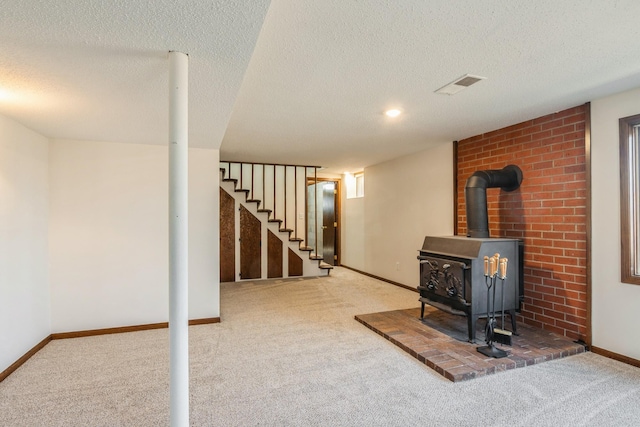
pixel 475 193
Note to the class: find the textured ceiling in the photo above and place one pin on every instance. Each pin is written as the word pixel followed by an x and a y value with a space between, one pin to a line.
pixel 308 84
pixel 98 70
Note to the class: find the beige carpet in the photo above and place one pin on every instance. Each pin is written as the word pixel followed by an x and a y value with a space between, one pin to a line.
pixel 289 353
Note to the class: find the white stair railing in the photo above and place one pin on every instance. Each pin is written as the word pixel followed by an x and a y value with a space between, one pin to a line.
pixel 284 193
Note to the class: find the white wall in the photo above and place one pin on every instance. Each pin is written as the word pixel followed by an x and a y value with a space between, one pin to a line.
pixel 352 231
pixel 614 304
pixel 24 286
pixel 405 199
pixel 109 234
pixel 204 233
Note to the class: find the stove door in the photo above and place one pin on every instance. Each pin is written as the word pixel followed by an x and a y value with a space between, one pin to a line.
pixel 444 278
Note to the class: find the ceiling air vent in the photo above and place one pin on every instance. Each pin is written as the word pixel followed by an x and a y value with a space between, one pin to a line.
pixel 459 84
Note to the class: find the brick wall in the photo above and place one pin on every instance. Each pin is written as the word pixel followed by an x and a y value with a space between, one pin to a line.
pixel 548 212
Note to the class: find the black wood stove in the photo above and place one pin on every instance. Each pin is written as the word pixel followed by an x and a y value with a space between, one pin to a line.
pixel 452 270
pixel 452 276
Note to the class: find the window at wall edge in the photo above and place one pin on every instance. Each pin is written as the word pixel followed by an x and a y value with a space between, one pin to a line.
pixel 630 199
pixel 359 184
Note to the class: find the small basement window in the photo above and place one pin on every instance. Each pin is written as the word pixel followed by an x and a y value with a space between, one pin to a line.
pixel 355 185
pixel 360 184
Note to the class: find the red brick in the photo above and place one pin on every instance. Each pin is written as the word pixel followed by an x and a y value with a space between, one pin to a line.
pixel 542 304
pixel 570 112
pixel 575 202
pixel 579 287
pixel 572 136
pixel 565 277
pixel 578 320
pixel 534 323
pixel 554 329
pixel 555 123
pixel 578 118
pixel 554 299
pixel 548 211
pixel 567 244
pixel 582 305
pixel 535 309
pixel 564 227
pixel 566 325
pixel 578 151
pixel 555 314
pixel 571 306
pixel 546 320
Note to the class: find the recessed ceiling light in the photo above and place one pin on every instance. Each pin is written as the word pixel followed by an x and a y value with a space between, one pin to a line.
pixel 459 84
pixel 393 113
pixel 5 95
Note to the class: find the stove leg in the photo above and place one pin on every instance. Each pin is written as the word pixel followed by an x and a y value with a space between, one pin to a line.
pixel 512 314
pixel 421 310
pixel 471 325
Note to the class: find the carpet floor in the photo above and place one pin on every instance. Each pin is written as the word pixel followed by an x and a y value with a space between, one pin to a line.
pixel 290 353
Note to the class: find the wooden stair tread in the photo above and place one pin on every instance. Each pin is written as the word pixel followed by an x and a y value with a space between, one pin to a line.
pixel 300 247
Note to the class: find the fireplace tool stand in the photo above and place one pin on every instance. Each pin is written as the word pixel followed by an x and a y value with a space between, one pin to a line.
pixel 491 276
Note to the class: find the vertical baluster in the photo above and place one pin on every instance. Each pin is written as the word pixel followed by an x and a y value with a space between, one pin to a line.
pixel 306 206
pixel 252 168
pixel 285 197
pixel 250 193
pixel 315 202
pixel 295 202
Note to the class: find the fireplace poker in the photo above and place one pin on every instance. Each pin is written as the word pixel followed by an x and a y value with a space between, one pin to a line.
pixel 491 266
pixel 501 335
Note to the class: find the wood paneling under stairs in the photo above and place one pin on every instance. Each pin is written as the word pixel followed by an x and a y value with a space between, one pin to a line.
pixel 227 237
pixel 250 242
pixel 274 256
pixel 295 264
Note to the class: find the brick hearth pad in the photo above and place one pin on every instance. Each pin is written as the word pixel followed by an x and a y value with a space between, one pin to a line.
pixel 440 342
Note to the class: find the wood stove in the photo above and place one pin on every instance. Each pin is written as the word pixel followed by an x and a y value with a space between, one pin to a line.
pixel 452 276
pixel 452 273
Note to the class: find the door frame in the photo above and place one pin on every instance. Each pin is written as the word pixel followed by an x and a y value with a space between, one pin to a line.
pixel 338 199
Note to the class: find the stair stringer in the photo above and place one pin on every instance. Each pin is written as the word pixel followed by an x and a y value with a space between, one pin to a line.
pixel 310 267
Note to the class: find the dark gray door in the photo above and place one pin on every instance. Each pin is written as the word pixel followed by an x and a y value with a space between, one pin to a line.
pixel 329 222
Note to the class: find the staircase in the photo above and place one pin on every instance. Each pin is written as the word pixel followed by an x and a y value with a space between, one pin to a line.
pixel 267 204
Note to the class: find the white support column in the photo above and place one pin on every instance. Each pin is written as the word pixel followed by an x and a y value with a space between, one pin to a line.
pixel 178 239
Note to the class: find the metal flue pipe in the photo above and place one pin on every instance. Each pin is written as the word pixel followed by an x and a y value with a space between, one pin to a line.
pixel 475 192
